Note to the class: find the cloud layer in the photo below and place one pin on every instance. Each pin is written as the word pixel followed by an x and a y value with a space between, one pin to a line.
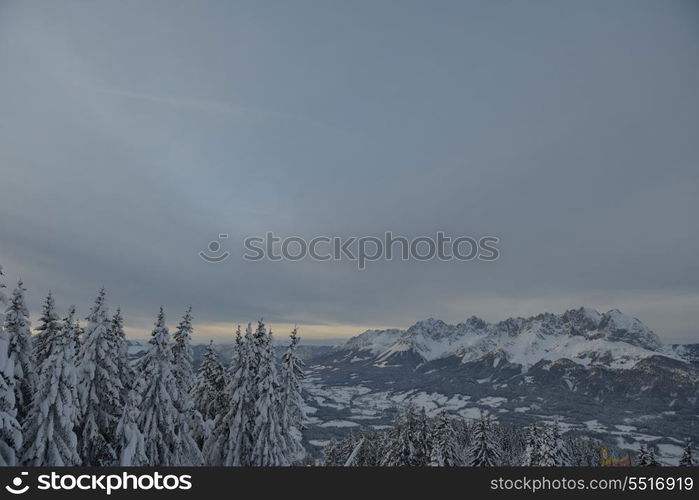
pixel 133 133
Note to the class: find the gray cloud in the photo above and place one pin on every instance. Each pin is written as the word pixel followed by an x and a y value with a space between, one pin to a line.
pixel 133 133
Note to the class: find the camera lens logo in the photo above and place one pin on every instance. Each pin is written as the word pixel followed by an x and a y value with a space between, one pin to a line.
pixel 214 253
pixel 16 487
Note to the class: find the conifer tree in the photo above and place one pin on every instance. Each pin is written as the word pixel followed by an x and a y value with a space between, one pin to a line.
pixel 232 439
pixel 188 452
pixel 445 450
pixel 346 452
pixel 408 441
pixel 21 352
pixel 269 443
pixel 207 396
pixel 208 391
pixel 126 372
pixel 484 450
pixel 687 460
pixel 72 326
pixel 370 453
pixel 49 428
pixel 10 430
pixel 652 460
pixel 182 352
pixel 532 453
pixel 331 454
pixel 546 458
pixel 292 402
pixel 643 457
pixel 353 458
pixel 158 392
pixel 3 294
pixel 162 421
pixel 99 388
pixel 130 443
pixel 585 451
pixel 49 324
pixel 553 451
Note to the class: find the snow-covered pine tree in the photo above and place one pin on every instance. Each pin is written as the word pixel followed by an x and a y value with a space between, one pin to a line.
pixel 553 450
pixel 371 451
pixel 258 341
pixel 99 387
pixel 21 353
pixel 158 392
pixel 208 396
pixel 331 454
pixel 188 452
pixel 269 443
pixel 164 425
pixel 652 460
pixel 182 352
pixel 208 392
pixel 407 442
pixel 484 450
pixel 463 436
pixel 687 460
pixel 546 447
pixel 126 372
pixel 72 326
pixel 344 453
pixel 643 456
pixel 445 450
pixel 3 295
pixel 585 451
pixel 49 428
pixel 353 458
pixel 512 445
pixel 232 439
pixel 49 324
pixel 293 414
pixel 130 444
pixel 10 430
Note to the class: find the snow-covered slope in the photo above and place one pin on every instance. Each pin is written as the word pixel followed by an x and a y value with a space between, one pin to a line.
pixel 584 336
pixel 606 372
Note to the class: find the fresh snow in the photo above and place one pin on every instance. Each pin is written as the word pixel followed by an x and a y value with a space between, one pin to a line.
pixel 584 336
pixel 339 423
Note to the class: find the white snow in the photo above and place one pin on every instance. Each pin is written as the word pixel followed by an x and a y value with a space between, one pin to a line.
pixel 339 423
pixel 492 401
pixel 617 341
pixel 319 443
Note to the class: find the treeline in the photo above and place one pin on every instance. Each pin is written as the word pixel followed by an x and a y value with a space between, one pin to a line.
pixel 69 395
pixel 416 441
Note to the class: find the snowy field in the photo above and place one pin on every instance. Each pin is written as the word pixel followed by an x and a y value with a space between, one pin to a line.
pixel 335 410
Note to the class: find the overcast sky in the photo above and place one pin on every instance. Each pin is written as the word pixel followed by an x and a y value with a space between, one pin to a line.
pixel 133 132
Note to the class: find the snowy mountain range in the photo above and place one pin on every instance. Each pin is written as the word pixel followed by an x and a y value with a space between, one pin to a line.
pixel 602 373
pixel 605 375
pixel 584 336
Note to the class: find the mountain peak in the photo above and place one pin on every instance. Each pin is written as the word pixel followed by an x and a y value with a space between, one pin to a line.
pixel 621 327
pixel 583 335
